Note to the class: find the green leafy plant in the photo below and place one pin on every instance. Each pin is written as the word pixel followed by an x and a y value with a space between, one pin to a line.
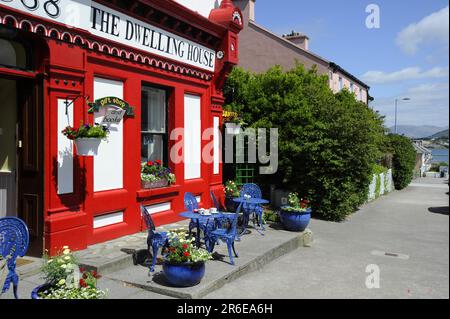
pixel 86 131
pixel 231 189
pixel 155 171
pixel 296 204
pixel 182 249
pixel 67 280
pixel 327 142
pixel 404 160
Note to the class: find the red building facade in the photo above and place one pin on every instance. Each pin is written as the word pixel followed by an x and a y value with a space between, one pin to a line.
pixel 166 61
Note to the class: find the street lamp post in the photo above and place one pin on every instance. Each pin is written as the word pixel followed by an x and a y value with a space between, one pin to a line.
pixel 396 107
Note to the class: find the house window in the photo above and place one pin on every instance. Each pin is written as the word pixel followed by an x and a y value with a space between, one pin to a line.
pixel 13 54
pixel 352 89
pixel 341 84
pixel 360 95
pixel 154 125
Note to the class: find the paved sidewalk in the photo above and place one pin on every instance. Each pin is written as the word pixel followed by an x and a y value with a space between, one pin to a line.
pixel 414 224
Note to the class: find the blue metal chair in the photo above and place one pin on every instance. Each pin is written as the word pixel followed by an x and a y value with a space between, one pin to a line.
pixel 254 191
pixel 14 241
pixel 191 204
pixel 226 234
pixel 155 240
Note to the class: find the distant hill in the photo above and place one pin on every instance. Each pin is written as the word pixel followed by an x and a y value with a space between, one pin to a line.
pixel 439 135
pixel 423 131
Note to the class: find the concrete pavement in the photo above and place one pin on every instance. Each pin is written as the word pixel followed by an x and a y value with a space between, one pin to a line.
pixel 404 235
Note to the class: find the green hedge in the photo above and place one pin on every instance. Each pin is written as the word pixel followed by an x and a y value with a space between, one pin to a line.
pixel 328 142
pixel 404 160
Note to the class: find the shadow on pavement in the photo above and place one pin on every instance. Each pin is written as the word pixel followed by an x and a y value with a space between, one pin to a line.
pixel 439 210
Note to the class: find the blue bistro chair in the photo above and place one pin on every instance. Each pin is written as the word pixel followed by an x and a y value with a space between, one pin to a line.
pixel 254 191
pixel 155 240
pixel 14 241
pixel 191 204
pixel 227 233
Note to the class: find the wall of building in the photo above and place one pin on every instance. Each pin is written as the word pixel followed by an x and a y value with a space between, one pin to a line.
pixel 260 50
pixel 346 82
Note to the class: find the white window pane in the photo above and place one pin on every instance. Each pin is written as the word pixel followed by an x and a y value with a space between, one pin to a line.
pixel 152 148
pixel 153 110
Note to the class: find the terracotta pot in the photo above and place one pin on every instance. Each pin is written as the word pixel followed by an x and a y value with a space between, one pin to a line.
pixel 158 184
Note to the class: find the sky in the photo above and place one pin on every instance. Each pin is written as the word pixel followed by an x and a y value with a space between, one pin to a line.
pixel 406 57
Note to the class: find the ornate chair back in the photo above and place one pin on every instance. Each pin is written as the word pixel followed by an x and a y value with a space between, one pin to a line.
pixel 190 202
pixel 149 222
pixel 251 189
pixel 14 238
pixel 14 241
pixel 215 201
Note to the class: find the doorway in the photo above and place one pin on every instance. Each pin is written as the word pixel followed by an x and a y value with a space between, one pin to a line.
pixel 21 143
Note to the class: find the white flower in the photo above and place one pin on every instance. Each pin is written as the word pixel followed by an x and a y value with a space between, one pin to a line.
pixel 67 258
pixel 64 266
pixel 62 282
pixel 66 247
pixel 66 251
pixel 50 261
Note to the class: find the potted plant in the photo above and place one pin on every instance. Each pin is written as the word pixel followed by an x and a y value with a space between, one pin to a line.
pixel 87 138
pixel 297 215
pixel 184 264
pixel 231 192
pixel 66 280
pixel 234 123
pixel 155 175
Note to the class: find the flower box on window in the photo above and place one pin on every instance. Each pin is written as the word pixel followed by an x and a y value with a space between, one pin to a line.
pixel 155 175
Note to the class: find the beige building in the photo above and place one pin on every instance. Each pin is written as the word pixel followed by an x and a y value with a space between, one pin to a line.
pixel 261 49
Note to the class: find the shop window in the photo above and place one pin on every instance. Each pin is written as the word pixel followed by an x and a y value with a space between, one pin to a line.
pixel 12 54
pixel 154 125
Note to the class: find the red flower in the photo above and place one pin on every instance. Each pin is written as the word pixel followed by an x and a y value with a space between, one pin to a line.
pixel 94 273
pixel 83 283
pixel 158 162
pixel 150 163
pixel 185 246
pixel 186 254
pixel 82 269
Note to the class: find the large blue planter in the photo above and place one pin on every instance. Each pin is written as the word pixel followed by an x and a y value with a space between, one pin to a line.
pixel 295 221
pixel 230 204
pixel 184 275
pixel 39 289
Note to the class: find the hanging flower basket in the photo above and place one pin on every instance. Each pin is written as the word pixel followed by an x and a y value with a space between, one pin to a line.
pixel 87 146
pixel 87 138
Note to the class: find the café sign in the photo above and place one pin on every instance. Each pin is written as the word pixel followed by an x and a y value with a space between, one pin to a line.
pixel 112 25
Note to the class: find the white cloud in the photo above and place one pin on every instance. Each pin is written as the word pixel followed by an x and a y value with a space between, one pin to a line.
pixel 413 73
pixel 433 28
pixel 428 105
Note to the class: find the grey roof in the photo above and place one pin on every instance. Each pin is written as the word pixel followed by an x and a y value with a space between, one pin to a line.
pixel 421 149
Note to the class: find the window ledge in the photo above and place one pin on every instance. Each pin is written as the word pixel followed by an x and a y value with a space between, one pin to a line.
pixel 170 191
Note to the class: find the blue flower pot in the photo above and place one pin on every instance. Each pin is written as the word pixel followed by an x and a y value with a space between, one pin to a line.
pixel 184 275
pixel 295 220
pixel 39 289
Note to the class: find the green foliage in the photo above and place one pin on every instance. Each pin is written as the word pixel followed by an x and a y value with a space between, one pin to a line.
pixel 231 189
pixel 182 249
pixel 270 216
pixel 435 167
pixel 86 131
pixel 404 160
pixel 328 143
pixel 155 171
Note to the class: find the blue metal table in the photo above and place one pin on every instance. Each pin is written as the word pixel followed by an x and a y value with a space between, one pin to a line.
pixel 197 217
pixel 254 202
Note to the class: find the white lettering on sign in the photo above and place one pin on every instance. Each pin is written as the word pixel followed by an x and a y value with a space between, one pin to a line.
pixel 110 24
pixel 113 116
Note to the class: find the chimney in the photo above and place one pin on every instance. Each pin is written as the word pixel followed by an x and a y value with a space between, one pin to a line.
pixel 299 39
pixel 247 7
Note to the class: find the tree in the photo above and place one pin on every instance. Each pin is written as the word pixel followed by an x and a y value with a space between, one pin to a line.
pixel 327 143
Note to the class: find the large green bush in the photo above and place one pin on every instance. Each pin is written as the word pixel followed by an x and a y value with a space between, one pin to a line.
pixel 404 160
pixel 327 143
